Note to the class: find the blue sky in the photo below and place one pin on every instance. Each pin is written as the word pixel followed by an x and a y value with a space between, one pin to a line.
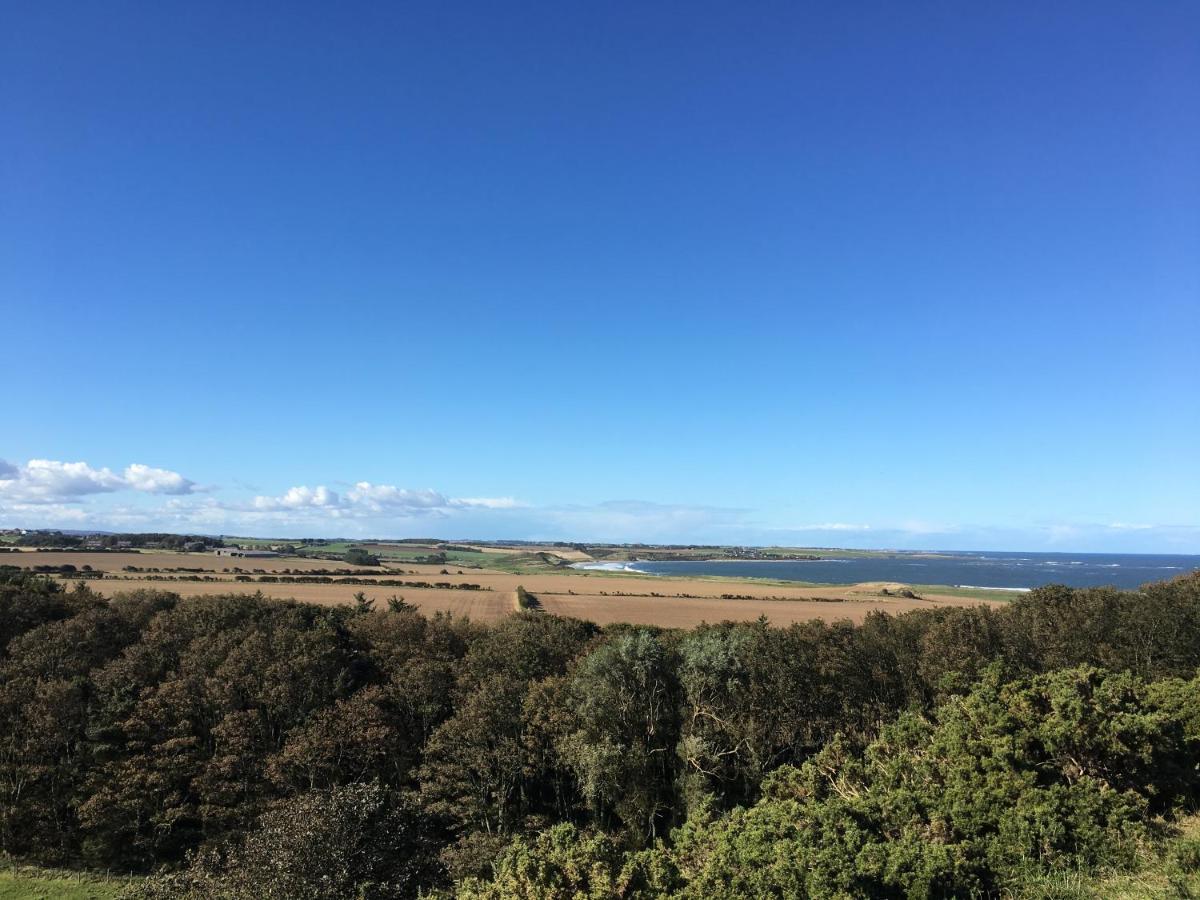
pixel 911 275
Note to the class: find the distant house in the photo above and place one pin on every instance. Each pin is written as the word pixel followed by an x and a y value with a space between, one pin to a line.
pixel 193 546
pixel 238 551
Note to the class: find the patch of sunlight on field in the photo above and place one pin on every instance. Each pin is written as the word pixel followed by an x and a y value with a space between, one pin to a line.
pixel 1170 873
pixel 18 882
pixel 1147 885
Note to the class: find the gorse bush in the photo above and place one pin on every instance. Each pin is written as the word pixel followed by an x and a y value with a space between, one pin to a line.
pixel 958 803
pixel 239 746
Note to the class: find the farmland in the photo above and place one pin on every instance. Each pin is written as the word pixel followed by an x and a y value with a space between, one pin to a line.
pixel 482 606
pixel 485 593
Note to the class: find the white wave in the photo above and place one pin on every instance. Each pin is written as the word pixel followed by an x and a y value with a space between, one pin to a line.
pixel 980 587
pixel 610 567
pixel 754 560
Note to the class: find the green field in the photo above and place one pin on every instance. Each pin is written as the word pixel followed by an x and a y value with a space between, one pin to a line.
pixel 327 547
pixel 394 553
pixel 27 883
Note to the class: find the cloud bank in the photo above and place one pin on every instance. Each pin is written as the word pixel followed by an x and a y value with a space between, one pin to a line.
pixel 52 481
pixel 367 500
pixel 44 493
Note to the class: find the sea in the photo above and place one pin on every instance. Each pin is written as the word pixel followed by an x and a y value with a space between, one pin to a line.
pixel 992 570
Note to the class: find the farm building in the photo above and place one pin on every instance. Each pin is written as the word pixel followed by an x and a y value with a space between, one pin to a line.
pixel 238 551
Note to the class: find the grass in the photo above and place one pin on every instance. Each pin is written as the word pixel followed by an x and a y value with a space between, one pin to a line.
pixel 251 542
pixel 474 559
pixel 526 600
pixel 327 547
pixel 977 593
pixel 30 883
pixel 515 562
pixel 401 553
pixel 1171 872
pixel 526 563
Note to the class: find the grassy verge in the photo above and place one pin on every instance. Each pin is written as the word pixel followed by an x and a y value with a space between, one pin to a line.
pixel 30 883
pixel 1170 872
pixel 525 600
pixel 978 593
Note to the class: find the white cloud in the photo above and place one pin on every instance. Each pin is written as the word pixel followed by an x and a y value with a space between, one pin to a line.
pixel 832 526
pixel 367 500
pixel 486 502
pixel 42 515
pixel 301 497
pixel 51 481
pixel 389 497
pixel 157 481
pixel 637 520
pixel 50 494
pixel 1060 534
pixel 47 481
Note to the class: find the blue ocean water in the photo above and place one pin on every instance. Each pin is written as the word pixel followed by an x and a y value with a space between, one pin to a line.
pixel 986 570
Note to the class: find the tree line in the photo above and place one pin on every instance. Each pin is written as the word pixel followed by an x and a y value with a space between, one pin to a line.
pixel 243 747
pixel 158 540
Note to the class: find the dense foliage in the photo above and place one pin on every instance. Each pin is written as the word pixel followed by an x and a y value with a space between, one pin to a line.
pixel 242 747
pixel 357 556
pixel 122 541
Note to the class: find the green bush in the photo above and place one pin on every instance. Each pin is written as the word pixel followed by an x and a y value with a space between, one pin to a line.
pixel 357 556
pixel 1015 780
pixel 356 841
pixel 250 745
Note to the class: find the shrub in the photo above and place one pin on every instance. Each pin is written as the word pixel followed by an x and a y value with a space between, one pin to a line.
pixel 357 841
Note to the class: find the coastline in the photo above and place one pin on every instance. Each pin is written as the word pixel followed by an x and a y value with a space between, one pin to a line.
pixel 994 571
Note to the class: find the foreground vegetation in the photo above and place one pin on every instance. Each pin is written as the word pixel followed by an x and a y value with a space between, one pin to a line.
pixel 28 883
pixel 240 747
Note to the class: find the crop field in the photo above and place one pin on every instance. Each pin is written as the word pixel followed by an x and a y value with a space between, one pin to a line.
pixel 480 606
pixel 602 597
pixel 687 612
pixel 487 606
